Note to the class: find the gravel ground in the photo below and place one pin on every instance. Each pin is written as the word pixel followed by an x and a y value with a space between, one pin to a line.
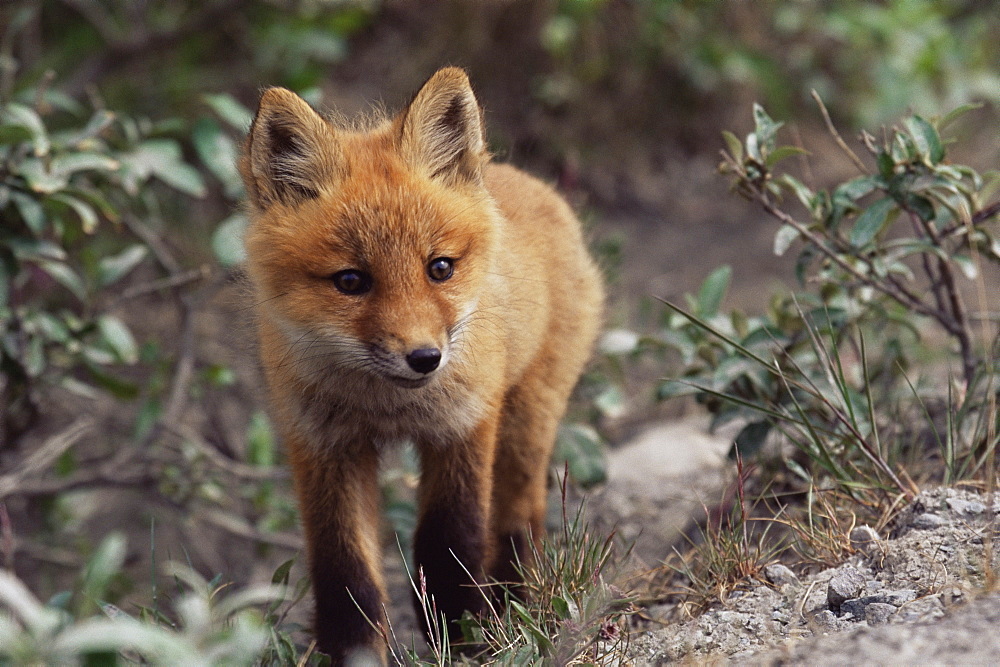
pixel 914 595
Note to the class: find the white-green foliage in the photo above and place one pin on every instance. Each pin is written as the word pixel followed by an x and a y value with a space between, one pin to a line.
pixel 209 626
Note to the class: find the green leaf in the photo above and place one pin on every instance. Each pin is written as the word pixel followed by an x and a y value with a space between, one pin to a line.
pixel 185 178
pixel 66 277
pixel 118 338
pixel 97 124
pixel 25 117
pixel 784 238
pixel 954 114
pixel 261 449
pixel 611 402
pixel 106 562
pixel 713 290
pixel 227 240
pixel 219 153
pixel 86 213
pixel 230 110
pixel 579 446
pixel 734 144
pixel 886 165
pixel 40 179
pixel 280 576
pixel 765 129
pixel 71 163
pixel 783 152
pixel 560 607
pixel 162 158
pixel 31 212
pixel 856 188
pixel 926 139
pixel 114 268
pixel 750 439
pixel 871 222
pixel 966 264
pixel 804 194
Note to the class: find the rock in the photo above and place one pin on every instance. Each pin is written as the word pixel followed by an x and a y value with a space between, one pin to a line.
pixel 864 538
pixel 827 619
pixel 927 521
pixel 879 613
pixel 780 575
pixel 855 608
pixel 961 506
pixel 898 598
pixel 844 586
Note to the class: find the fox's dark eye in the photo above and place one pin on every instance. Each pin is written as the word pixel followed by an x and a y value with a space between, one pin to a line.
pixel 441 268
pixel 352 281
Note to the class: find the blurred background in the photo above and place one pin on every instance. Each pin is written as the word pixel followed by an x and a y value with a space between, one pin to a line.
pixel 130 400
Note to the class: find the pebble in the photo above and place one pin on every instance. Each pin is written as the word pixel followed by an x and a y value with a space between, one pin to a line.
pixel 927 521
pixel 780 575
pixel 961 506
pixel 864 538
pixel 844 586
pixel 879 613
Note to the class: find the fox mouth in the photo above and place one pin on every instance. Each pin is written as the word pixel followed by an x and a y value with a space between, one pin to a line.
pixel 409 383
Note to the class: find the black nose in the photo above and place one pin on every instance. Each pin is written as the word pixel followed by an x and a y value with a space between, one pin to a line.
pixel 424 360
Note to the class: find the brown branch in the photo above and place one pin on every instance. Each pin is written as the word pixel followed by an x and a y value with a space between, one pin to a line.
pixel 836 135
pixel 985 214
pixel 233 525
pixel 42 458
pixel 235 468
pixel 177 280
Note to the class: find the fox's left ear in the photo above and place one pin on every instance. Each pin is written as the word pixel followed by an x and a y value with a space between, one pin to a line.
pixel 291 153
pixel 442 129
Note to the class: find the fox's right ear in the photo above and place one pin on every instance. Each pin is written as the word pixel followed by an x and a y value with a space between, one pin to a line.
pixel 291 153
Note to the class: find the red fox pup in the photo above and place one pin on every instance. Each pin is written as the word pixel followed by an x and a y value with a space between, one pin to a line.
pixel 409 289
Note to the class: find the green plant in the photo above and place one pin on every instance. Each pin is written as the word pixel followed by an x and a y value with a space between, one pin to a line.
pixel 73 188
pixel 884 255
pixel 210 627
pixel 565 611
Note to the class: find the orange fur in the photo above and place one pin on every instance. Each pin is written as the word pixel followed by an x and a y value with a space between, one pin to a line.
pixel 349 251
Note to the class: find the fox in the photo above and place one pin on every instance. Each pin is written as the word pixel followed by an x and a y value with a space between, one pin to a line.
pixel 409 288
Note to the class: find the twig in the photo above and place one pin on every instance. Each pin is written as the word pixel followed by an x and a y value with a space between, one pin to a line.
pixel 243 529
pixel 985 214
pixel 176 280
pixel 43 457
pixel 836 135
pixel 6 537
pixel 227 464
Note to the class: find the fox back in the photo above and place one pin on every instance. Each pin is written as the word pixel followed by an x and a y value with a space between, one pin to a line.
pixel 410 289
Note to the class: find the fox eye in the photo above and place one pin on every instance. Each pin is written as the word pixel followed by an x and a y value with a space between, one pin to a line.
pixel 352 281
pixel 440 269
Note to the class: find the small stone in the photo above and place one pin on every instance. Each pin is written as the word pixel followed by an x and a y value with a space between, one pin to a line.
pixel 827 619
pixel 780 575
pixel 927 521
pixel 960 506
pixel 898 598
pixel 854 608
pixel 844 586
pixel 879 613
pixel 864 538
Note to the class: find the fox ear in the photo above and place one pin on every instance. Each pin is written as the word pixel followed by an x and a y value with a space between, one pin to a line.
pixel 442 129
pixel 291 153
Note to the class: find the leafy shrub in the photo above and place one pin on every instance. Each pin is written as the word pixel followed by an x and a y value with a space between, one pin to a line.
pixel 885 254
pixel 74 195
pixel 208 626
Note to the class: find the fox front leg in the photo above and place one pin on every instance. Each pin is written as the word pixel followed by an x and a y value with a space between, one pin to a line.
pixel 451 546
pixel 339 501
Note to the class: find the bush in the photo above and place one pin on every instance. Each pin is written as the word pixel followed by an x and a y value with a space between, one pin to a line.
pixel 885 255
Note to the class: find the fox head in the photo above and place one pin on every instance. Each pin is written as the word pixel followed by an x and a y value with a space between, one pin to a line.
pixel 368 248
